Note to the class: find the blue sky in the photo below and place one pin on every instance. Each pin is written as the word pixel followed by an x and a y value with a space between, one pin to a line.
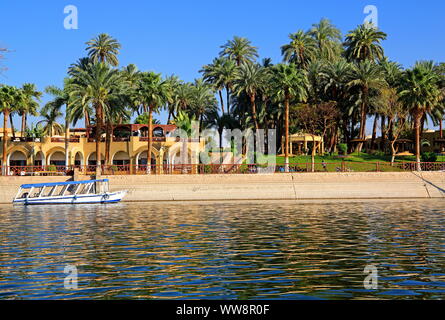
pixel 178 37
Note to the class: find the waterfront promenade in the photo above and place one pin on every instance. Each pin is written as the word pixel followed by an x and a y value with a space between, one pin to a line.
pixel 285 186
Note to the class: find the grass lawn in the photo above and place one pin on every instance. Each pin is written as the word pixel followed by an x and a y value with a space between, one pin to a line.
pixel 362 162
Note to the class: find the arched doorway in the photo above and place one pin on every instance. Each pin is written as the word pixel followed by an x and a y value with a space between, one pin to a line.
pixel 78 159
pixel 17 159
pixel 39 159
pixel 120 163
pixel 179 163
pixel 92 159
pixel 17 162
pixel 121 158
pixel 141 162
pixel 57 159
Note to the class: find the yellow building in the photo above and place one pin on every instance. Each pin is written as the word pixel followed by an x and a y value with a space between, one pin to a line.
pixel 128 151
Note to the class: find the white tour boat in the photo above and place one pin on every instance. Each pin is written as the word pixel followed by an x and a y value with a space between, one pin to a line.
pixel 70 192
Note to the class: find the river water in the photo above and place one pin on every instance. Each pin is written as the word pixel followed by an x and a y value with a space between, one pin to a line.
pixel 253 250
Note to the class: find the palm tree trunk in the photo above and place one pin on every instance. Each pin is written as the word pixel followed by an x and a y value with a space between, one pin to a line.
pixel 228 99
pixel 221 156
pixel 374 132
pixel 253 106
pixel 87 120
pixel 441 128
pixel 12 125
pixel 169 116
pixel 362 127
pixel 422 126
pixel 222 101
pixel 67 141
pixel 98 136
pixel 4 141
pixel 150 138
pixel 383 133
pixel 417 125
pixel 286 140
pixel 108 143
pixel 23 124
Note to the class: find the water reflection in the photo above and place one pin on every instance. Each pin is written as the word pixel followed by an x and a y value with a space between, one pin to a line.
pixel 224 250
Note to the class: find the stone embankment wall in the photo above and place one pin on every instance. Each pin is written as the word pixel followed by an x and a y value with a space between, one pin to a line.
pixel 292 186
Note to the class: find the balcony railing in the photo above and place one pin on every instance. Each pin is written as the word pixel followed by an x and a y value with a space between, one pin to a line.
pixel 154 139
pixel 62 140
pixel 23 139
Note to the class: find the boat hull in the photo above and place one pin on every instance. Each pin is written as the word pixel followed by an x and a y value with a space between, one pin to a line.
pixel 108 197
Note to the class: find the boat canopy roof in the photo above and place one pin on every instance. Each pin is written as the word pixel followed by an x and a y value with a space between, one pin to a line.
pixel 53 184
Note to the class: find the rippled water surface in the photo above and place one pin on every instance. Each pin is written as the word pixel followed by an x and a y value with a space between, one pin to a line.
pixel 224 250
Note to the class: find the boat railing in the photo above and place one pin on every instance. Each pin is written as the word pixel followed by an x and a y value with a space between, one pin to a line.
pixel 62 189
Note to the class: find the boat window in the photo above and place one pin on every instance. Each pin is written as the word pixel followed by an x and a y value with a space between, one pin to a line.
pixel 48 192
pixel 63 190
pixel 81 188
pixel 38 192
pixel 71 189
pixel 23 193
pixel 58 190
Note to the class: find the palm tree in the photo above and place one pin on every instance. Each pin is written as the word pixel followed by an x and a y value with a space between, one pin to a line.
pixel 291 85
pixel 96 85
pixel 420 93
pixel 104 48
pixel 334 81
pixel 49 123
pixel 212 75
pixel 366 77
pixel 227 74
pixel 9 98
pixel 328 39
pixel 173 83
pixel 182 98
pixel 388 105
pixel 240 50
pixel 117 113
pixel 30 104
pixel 440 70
pixel 301 50
pixel 393 73
pixel 152 93
pixel 202 100
pixel 251 79
pixel 363 43
pixel 52 110
pixel 221 74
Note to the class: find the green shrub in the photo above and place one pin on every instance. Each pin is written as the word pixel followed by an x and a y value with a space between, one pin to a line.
pixel 52 168
pixel 378 153
pixel 342 148
pixel 429 157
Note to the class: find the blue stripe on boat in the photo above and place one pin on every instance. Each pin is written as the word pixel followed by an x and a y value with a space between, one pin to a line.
pixel 55 203
pixel 57 198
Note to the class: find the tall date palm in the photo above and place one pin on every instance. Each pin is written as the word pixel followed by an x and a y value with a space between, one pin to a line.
pixel 290 85
pixel 251 79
